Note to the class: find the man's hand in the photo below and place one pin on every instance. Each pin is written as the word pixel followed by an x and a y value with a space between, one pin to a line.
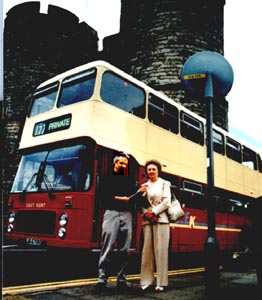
pixel 143 188
pixel 149 215
pixel 122 198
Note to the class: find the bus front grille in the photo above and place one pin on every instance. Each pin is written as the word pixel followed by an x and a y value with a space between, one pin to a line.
pixel 35 222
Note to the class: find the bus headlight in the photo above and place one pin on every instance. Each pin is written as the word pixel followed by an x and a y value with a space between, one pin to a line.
pixel 10 228
pixel 62 232
pixel 11 217
pixel 63 220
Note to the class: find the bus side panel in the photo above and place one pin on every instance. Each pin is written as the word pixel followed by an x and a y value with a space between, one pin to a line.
pixel 190 232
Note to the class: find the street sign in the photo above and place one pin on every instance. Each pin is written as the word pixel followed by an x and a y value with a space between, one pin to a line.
pixel 194 76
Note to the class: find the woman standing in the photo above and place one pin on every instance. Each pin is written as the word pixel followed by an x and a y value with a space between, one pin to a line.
pixel 155 228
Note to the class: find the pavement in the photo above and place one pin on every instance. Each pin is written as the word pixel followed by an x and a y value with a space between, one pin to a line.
pixel 240 285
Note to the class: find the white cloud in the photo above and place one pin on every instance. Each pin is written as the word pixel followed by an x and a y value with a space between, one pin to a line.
pixel 243 50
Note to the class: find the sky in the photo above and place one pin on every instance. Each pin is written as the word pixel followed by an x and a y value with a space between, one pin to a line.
pixel 242 49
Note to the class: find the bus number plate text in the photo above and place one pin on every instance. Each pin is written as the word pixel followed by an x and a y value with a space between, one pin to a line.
pixel 33 242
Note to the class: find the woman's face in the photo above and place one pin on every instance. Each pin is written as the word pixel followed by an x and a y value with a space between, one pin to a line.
pixel 152 172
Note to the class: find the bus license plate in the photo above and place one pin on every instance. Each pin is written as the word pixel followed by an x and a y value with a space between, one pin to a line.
pixel 33 242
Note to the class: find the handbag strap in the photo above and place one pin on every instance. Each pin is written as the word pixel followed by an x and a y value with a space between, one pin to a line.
pixel 173 196
pixel 171 192
pixel 163 186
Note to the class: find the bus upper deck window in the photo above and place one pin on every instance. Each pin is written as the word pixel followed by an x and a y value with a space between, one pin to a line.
pixel 249 158
pixel 259 162
pixel 77 88
pixel 162 113
pixel 123 94
pixel 43 99
pixel 233 149
pixel 191 128
pixel 218 142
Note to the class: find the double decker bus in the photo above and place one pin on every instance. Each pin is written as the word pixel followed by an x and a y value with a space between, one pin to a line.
pixel 75 123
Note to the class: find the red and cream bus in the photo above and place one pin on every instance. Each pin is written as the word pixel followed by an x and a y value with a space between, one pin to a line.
pixel 75 123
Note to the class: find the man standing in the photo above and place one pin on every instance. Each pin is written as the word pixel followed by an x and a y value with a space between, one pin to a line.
pixel 117 224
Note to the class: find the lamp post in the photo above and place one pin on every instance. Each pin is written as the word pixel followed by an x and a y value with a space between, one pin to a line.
pixel 207 75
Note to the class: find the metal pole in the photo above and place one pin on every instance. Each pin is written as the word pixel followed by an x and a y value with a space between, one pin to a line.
pixel 211 246
pixel 202 70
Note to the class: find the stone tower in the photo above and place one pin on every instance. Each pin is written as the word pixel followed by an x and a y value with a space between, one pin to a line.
pixel 36 47
pixel 157 37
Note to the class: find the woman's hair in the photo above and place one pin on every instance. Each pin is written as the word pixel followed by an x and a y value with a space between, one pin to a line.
pixel 154 162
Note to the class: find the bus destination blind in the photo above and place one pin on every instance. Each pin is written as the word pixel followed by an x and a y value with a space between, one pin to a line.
pixel 52 125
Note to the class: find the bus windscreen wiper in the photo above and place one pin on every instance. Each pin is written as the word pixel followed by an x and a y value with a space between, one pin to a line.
pixel 48 187
pixel 40 177
pixel 22 196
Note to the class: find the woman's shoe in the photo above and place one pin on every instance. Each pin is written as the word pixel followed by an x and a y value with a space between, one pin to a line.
pixel 159 288
pixel 144 287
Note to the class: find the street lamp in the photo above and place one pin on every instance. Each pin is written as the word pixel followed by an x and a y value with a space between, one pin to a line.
pixel 207 75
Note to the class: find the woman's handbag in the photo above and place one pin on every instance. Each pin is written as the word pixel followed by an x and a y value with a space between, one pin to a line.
pixel 175 211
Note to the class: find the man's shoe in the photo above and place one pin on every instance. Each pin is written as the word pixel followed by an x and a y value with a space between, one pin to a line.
pixel 145 287
pixel 122 285
pixel 100 287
